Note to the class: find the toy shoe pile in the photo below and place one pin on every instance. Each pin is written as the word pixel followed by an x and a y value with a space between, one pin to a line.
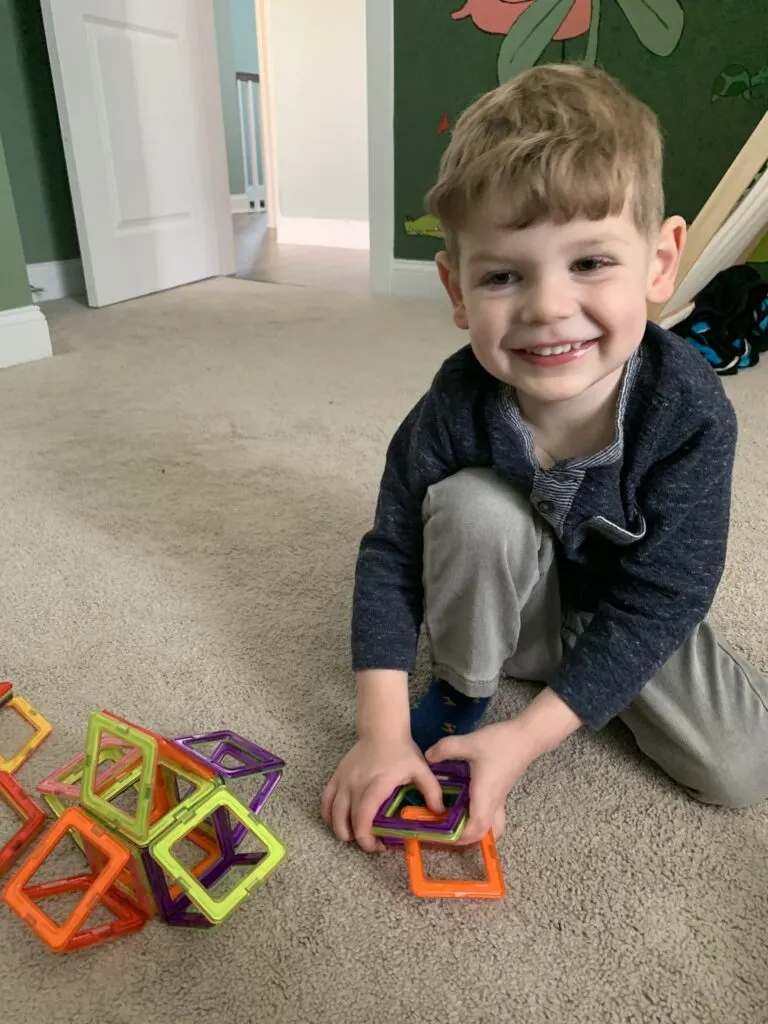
pixel 132 864
pixel 729 323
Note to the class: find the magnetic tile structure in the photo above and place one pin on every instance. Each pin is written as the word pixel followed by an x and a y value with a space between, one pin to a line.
pixel 158 831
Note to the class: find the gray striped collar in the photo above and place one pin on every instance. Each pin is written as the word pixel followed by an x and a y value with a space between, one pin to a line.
pixel 613 453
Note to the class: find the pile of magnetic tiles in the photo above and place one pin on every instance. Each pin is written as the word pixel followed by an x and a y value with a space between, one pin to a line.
pixel 133 868
pixel 400 822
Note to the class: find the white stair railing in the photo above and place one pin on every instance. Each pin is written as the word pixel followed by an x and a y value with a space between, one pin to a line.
pixel 248 98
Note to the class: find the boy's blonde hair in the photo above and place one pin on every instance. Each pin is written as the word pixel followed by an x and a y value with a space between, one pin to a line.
pixel 557 142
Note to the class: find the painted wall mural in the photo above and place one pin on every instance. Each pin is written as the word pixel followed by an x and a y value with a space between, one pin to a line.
pixel 530 25
pixel 700 66
pixel 736 80
pixel 760 255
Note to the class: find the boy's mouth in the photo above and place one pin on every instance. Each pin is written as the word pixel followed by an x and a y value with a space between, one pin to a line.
pixel 557 350
pixel 555 355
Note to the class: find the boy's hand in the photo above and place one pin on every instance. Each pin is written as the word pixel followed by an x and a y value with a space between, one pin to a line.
pixel 365 778
pixel 498 756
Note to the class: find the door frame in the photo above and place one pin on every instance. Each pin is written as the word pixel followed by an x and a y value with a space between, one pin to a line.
pixel 413 278
pixel 380 31
pixel 267 111
pixel 214 120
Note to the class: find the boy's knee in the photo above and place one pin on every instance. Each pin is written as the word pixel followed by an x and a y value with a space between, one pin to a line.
pixel 735 779
pixel 477 503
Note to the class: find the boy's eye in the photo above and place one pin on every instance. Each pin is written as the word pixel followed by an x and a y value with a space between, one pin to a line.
pixel 589 264
pixel 500 279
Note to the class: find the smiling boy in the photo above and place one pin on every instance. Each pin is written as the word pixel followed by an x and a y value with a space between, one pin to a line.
pixel 556 506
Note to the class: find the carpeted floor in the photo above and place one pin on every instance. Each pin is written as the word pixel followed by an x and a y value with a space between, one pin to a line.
pixel 182 493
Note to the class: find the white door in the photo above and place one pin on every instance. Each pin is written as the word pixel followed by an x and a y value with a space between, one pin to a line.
pixel 140 107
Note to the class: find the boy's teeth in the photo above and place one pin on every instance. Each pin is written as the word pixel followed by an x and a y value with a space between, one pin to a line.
pixel 554 350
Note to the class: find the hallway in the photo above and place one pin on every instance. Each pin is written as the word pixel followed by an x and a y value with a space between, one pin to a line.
pixel 260 258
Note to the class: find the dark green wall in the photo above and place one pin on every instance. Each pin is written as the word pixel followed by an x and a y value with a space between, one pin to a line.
pixel 442 64
pixel 14 286
pixel 30 129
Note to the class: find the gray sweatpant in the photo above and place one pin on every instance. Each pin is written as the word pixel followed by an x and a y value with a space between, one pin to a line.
pixel 492 608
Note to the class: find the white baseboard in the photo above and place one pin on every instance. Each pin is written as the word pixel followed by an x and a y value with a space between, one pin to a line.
pixel 241 204
pixel 24 336
pixel 415 279
pixel 334 234
pixel 56 280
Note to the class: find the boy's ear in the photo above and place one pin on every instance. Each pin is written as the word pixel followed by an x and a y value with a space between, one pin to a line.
pixel 665 261
pixel 449 275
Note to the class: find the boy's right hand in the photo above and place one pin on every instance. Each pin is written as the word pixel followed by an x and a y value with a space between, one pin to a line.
pixel 363 781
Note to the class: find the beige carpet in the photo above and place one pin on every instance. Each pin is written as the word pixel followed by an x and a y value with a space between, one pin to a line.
pixel 182 490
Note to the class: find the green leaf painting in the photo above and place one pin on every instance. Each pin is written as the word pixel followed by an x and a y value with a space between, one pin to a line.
pixel 529 26
pixel 658 24
pixel 530 36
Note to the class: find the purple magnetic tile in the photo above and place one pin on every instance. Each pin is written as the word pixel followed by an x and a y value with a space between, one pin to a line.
pixel 256 805
pixel 176 911
pixel 448 773
pixel 166 904
pixel 254 760
pixel 158 884
pixel 244 750
pixel 247 764
pixel 183 917
pixel 454 769
pixel 454 773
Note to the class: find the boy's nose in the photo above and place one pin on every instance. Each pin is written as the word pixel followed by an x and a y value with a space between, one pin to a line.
pixel 546 301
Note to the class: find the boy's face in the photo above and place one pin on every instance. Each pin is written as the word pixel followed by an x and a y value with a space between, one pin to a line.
pixel 553 309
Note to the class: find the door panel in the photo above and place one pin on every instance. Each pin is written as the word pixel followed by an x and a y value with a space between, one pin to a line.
pixel 139 101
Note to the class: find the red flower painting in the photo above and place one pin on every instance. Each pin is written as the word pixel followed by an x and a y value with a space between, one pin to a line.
pixel 498 16
pixel 529 26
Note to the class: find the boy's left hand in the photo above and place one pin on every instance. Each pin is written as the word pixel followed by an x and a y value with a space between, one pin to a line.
pixel 498 756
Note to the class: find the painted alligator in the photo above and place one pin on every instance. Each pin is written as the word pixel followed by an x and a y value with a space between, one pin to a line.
pixel 426 226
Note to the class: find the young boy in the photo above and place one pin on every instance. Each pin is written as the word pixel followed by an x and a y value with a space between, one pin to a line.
pixel 556 507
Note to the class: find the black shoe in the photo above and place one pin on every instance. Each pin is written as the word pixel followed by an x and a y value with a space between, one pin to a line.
pixel 729 324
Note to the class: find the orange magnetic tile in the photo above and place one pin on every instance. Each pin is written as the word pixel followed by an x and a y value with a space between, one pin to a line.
pixel 32 817
pixel 209 845
pixel 168 753
pixel 491 888
pixel 58 936
pixel 131 725
pixel 127 918
pixel 131 884
pixel 171 753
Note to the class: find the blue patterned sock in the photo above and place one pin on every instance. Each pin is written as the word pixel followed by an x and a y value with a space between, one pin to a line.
pixel 443 711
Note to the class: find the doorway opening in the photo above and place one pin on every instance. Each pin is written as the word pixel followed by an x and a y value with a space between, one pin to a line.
pixel 271 89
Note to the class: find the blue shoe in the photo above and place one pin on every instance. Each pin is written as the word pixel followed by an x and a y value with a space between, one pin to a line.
pixel 443 711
